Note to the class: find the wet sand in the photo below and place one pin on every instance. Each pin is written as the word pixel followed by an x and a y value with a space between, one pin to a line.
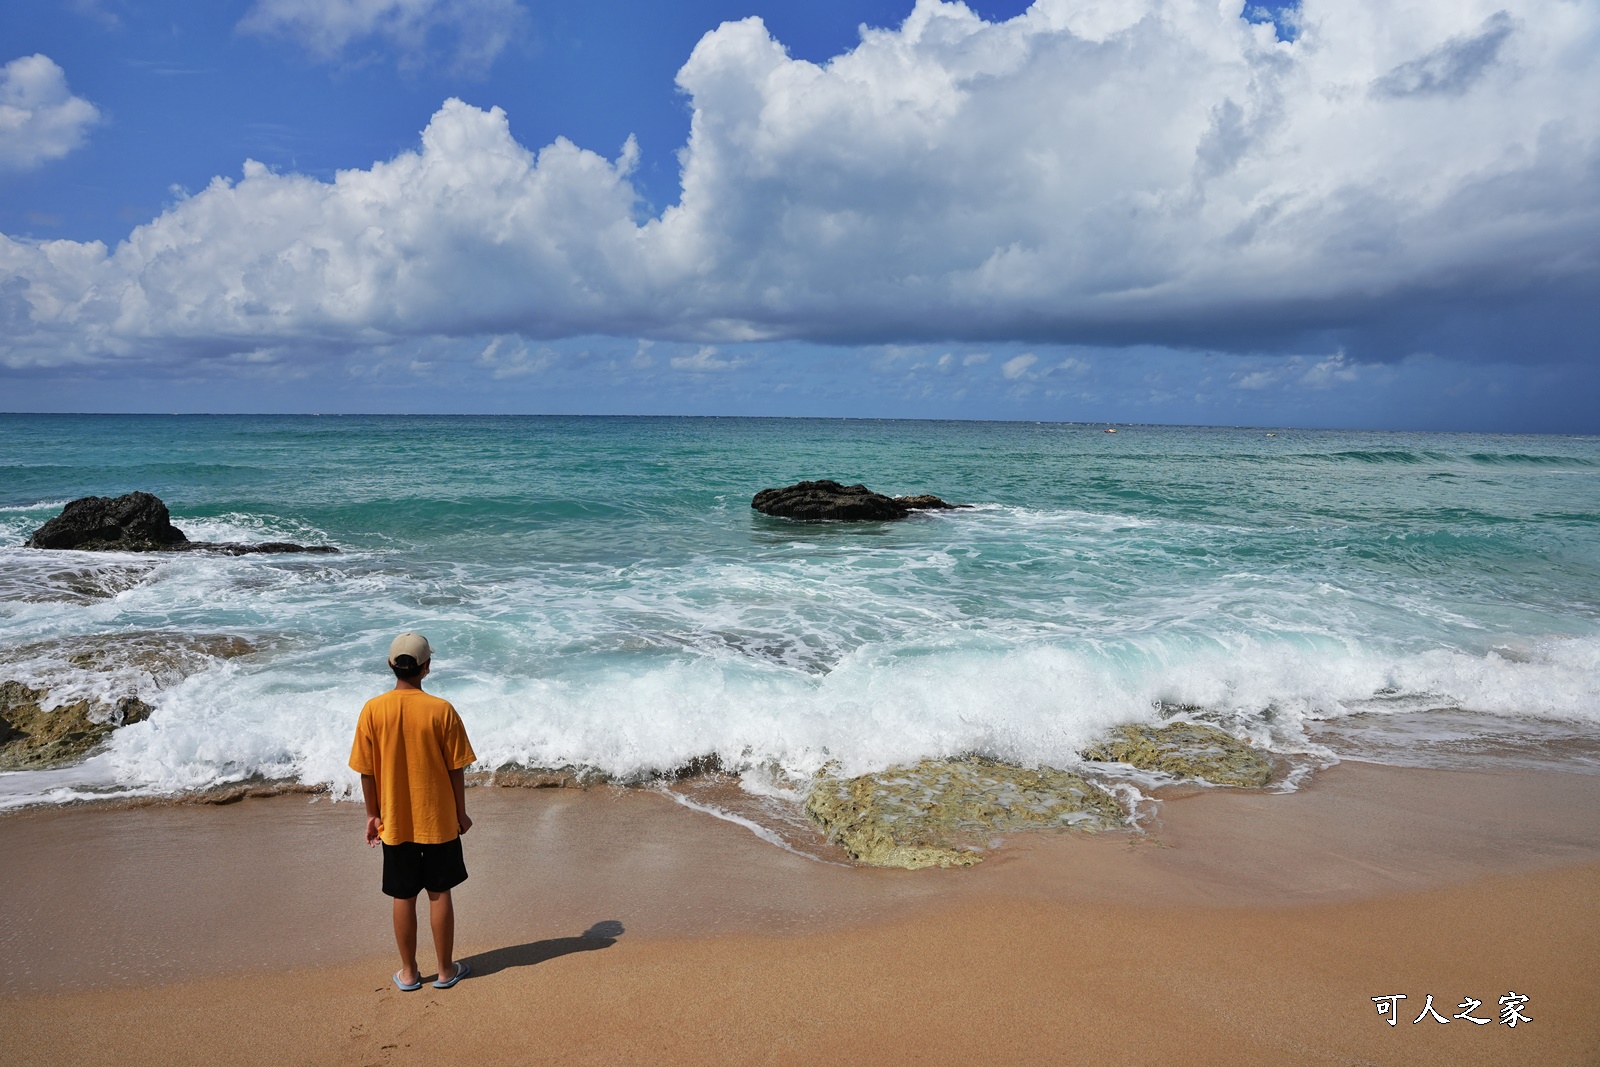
pixel 1241 928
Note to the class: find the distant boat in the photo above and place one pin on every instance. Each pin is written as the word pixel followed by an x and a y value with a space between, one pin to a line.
pixel 1110 430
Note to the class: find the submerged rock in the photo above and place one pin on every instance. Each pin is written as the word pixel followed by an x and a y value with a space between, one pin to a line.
pixel 817 500
pixel 514 776
pixel 934 814
pixel 167 657
pixel 137 522
pixel 32 738
pixel 927 502
pixel 44 580
pixel 1187 750
pixel 254 548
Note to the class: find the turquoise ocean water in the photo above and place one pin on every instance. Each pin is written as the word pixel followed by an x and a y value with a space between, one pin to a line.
pixel 599 592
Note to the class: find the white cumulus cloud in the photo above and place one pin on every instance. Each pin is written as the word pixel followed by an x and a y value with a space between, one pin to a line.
pixel 1330 371
pixel 1017 366
pixel 40 119
pixel 704 360
pixel 1153 171
pixel 476 30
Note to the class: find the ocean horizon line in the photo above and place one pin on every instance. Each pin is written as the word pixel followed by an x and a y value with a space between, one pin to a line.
pixel 832 419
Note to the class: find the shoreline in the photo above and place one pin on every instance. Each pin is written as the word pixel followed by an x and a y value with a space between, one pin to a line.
pixel 1291 773
pixel 1239 928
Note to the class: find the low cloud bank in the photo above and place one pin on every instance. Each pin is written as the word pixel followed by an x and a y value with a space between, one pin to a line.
pixel 1156 171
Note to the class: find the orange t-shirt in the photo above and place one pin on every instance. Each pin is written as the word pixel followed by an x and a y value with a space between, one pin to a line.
pixel 410 741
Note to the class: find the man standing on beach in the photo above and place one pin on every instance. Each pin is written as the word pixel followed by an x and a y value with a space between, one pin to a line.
pixel 411 751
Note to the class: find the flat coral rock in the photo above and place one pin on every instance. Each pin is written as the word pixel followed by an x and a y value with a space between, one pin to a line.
pixel 1187 750
pixel 935 813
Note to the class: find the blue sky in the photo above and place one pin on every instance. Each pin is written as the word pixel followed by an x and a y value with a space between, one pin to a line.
pixel 1330 214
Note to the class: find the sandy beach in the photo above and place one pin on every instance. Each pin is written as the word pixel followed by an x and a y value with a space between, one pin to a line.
pixel 615 926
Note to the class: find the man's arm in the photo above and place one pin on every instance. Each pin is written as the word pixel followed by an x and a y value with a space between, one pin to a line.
pixel 369 793
pixel 458 786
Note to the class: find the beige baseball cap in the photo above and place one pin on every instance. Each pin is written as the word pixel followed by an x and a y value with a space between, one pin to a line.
pixel 409 644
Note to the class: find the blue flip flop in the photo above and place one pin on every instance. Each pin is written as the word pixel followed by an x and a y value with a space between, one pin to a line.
pixel 462 970
pixel 412 988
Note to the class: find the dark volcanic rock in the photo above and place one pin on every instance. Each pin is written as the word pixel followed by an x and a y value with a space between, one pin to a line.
pixel 830 500
pixel 138 522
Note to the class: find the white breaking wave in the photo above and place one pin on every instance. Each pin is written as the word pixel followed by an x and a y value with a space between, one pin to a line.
pixel 249 529
pixel 292 717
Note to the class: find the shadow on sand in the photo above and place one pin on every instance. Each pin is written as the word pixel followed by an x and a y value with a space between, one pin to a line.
pixel 600 935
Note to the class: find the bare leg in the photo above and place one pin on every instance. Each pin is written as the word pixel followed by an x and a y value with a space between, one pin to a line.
pixel 442 917
pixel 405 937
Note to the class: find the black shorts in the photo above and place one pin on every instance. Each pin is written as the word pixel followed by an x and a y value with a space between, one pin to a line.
pixel 409 868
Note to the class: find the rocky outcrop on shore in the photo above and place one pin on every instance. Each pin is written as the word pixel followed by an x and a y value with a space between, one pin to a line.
pixel 137 522
pixel 1186 750
pixel 818 500
pixel 31 738
pixel 939 813
pixel 34 738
